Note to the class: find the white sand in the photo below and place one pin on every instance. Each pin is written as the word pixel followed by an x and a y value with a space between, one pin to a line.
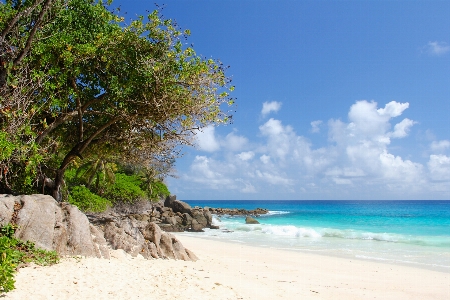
pixel 229 271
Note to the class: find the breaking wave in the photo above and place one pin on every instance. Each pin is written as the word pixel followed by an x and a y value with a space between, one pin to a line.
pixel 318 233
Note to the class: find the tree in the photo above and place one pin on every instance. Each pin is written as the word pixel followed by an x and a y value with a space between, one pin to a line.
pixel 135 89
pixel 98 169
pixel 20 22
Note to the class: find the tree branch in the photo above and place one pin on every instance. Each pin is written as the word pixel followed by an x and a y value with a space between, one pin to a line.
pixel 80 113
pixel 19 15
pixel 33 32
pixel 62 118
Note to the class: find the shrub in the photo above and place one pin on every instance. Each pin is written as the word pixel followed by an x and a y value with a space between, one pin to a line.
pixel 87 201
pixel 13 252
pixel 158 190
pixel 126 188
pixel 8 263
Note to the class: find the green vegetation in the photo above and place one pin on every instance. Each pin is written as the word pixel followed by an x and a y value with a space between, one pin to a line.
pixel 81 89
pixel 87 201
pixel 122 187
pixel 14 252
pixel 126 188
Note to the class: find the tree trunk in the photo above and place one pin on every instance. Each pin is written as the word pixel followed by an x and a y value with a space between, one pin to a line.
pixel 74 153
pixel 59 176
pixel 59 179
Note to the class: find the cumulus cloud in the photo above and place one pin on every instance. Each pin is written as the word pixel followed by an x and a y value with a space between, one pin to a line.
pixel 437 48
pixel 274 178
pixel 269 107
pixel 357 158
pixel 394 167
pixel 248 187
pixel 206 139
pixel 401 129
pixel 440 146
pixel 315 126
pixel 246 155
pixel 234 142
pixel 392 109
pixel 282 140
pixel 439 167
pixel 265 159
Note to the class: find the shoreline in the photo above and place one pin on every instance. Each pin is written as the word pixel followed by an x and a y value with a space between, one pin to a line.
pixel 327 252
pixel 332 277
pixel 229 271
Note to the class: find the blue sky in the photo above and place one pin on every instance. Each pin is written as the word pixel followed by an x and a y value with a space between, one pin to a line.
pixel 335 99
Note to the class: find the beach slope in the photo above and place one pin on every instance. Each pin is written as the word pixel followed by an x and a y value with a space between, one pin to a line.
pixel 229 271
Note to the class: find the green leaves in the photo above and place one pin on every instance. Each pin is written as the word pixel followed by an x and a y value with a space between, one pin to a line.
pixel 87 201
pixel 96 84
pixel 13 252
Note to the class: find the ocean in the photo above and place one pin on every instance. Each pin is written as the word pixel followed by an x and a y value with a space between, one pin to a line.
pixel 415 233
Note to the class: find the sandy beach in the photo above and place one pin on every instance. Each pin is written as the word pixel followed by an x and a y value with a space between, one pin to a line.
pixel 228 271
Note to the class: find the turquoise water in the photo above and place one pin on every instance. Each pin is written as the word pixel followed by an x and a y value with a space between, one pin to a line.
pixel 404 232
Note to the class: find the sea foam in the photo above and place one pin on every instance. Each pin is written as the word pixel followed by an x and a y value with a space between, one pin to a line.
pixel 231 223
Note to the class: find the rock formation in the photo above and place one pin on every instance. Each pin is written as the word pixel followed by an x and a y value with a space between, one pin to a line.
pixel 238 212
pixel 65 229
pixel 175 215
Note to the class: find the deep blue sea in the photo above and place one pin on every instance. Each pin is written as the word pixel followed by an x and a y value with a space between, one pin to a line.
pixel 415 233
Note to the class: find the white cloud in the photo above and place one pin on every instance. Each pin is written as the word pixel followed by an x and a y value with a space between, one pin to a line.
pixel 282 140
pixel 272 127
pixel 401 129
pixel 395 168
pixel 342 181
pixel 201 166
pixel 437 48
pixel 269 107
pixel 366 120
pixel 211 173
pixel 357 160
pixel 206 139
pixel 346 172
pixel 265 159
pixel 234 142
pixel 274 178
pixel 439 167
pixel 248 187
pixel 393 109
pixel 315 126
pixel 246 155
pixel 440 146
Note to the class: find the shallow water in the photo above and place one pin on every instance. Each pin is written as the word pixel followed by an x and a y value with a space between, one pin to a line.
pixel 415 233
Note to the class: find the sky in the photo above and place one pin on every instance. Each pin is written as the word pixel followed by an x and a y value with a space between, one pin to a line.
pixel 335 99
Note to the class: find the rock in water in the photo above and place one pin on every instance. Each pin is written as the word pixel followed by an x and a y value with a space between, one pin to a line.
pixel 250 220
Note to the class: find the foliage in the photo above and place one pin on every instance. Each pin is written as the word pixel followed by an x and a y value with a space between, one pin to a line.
pixel 98 169
pixel 87 201
pixel 7 266
pixel 19 23
pixel 158 191
pixel 130 186
pixel 14 252
pixel 84 83
pixel 126 188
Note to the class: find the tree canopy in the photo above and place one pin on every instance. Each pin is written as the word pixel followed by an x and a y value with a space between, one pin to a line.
pixel 76 81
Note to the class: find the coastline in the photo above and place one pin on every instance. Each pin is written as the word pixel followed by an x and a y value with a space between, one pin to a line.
pixel 229 271
pixel 267 273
